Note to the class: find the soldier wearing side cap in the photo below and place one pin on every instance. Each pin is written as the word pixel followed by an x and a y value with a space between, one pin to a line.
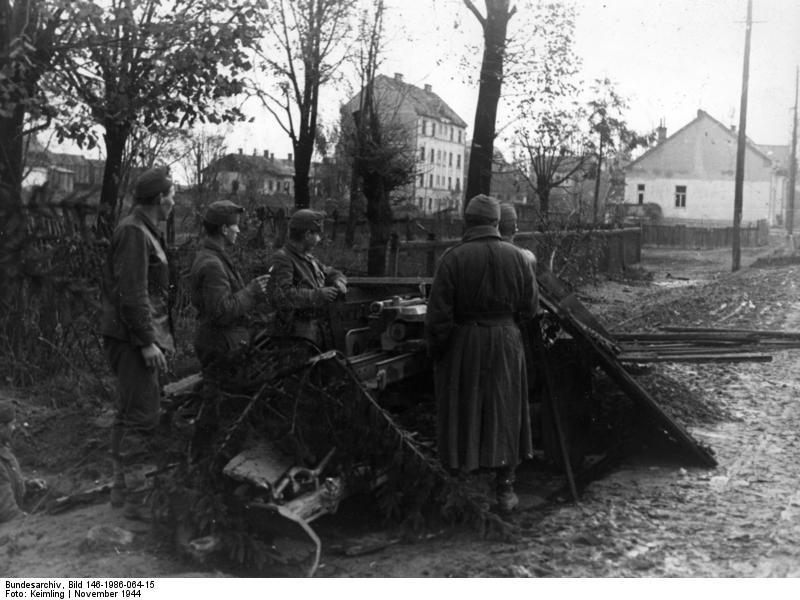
pixel 303 288
pixel 136 329
pixel 482 289
pixel 218 291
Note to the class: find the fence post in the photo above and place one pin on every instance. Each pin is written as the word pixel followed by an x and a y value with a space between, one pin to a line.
pixel 394 253
pixel 430 266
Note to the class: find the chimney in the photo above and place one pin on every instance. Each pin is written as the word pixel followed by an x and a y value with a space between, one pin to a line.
pixel 428 88
pixel 661 132
pixel 733 128
pixel 290 157
pixel 255 151
pixel 266 154
pixel 272 156
pixel 398 77
pixel 241 151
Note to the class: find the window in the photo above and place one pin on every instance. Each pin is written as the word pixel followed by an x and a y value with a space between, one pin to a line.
pixel 450 162
pixel 458 184
pixel 459 136
pixel 437 181
pixel 451 133
pixel 430 203
pixel 270 185
pixel 424 127
pixel 438 156
pixel 433 154
pixel 433 129
pixel 640 192
pixel 422 153
pixel 680 196
pixel 458 161
pixel 431 183
pixel 449 183
pixel 421 202
pixel 422 180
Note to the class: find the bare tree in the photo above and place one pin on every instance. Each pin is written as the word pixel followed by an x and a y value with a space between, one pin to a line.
pixel 305 45
pixel 610 129
pixel 378 141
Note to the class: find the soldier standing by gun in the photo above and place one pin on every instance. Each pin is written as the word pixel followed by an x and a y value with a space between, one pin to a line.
pixel 136 333
pixel 481 289
pixel 218 291
pixel 302 287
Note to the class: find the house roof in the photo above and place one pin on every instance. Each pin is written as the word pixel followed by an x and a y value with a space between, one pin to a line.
pixel 242 163
pixel 424 102
pixel 778 153
pixel 702 115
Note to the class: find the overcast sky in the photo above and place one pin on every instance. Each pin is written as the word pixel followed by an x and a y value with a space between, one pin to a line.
pixel 668 57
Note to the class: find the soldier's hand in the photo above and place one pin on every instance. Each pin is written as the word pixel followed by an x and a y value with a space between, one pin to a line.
pixel 329 294
pixel 260 283
pixel 341 286
pixel 154 358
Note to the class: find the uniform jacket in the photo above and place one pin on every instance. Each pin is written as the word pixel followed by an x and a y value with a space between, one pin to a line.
pixel 481 289
pixel 297 280
pixel 12 486
pixel 222 301
pixel 136 284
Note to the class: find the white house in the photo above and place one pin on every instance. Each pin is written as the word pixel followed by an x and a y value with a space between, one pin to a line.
pixel 691 174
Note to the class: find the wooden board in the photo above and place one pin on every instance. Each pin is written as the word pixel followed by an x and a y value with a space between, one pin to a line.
pixel 573 318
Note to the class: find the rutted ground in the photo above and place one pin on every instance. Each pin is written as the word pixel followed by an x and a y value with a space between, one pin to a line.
pixel 648 518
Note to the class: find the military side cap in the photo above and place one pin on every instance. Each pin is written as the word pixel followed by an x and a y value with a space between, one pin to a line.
pixel 7 412
pixel 223 212
pixel 507 213
pixel 152 182
pixel 484 206
pixel 306 220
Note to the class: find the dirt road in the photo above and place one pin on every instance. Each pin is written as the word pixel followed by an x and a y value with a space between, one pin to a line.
pixel 651 517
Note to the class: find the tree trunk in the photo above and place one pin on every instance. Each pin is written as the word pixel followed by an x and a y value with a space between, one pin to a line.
pixel 303 149
pixel 379 215
pixel 479 173
pixel 597 180
pixel 355 210
pixel 115 137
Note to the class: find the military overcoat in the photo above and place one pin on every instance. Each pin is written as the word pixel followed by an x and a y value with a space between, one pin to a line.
pixel 482 288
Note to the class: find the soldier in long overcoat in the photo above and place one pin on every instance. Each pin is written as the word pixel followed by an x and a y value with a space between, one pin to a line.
pixel 482 288
pixel 218 291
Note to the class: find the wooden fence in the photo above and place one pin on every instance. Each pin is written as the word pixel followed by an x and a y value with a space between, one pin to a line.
pixel 703 238
pixel 611 250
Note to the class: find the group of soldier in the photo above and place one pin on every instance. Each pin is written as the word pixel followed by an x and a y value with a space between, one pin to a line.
pixel 483 290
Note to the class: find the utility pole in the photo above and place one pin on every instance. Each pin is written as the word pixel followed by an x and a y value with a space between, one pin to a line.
pixel 741 146
pixel 792 164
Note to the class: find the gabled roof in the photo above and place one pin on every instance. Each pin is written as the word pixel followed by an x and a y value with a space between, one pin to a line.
pixel 778 153
pixel 243 163
pixel 424 102
pixel 702 115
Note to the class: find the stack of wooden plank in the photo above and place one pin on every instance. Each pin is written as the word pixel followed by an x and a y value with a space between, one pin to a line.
pixel 703 344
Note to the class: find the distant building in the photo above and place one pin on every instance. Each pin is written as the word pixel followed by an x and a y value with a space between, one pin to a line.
pixel 690 175
pixel 438 136
pixel 258 175
pixel 61 173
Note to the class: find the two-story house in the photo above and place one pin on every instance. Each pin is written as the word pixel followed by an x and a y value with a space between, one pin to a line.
pixel 690 175
pixel 437 134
